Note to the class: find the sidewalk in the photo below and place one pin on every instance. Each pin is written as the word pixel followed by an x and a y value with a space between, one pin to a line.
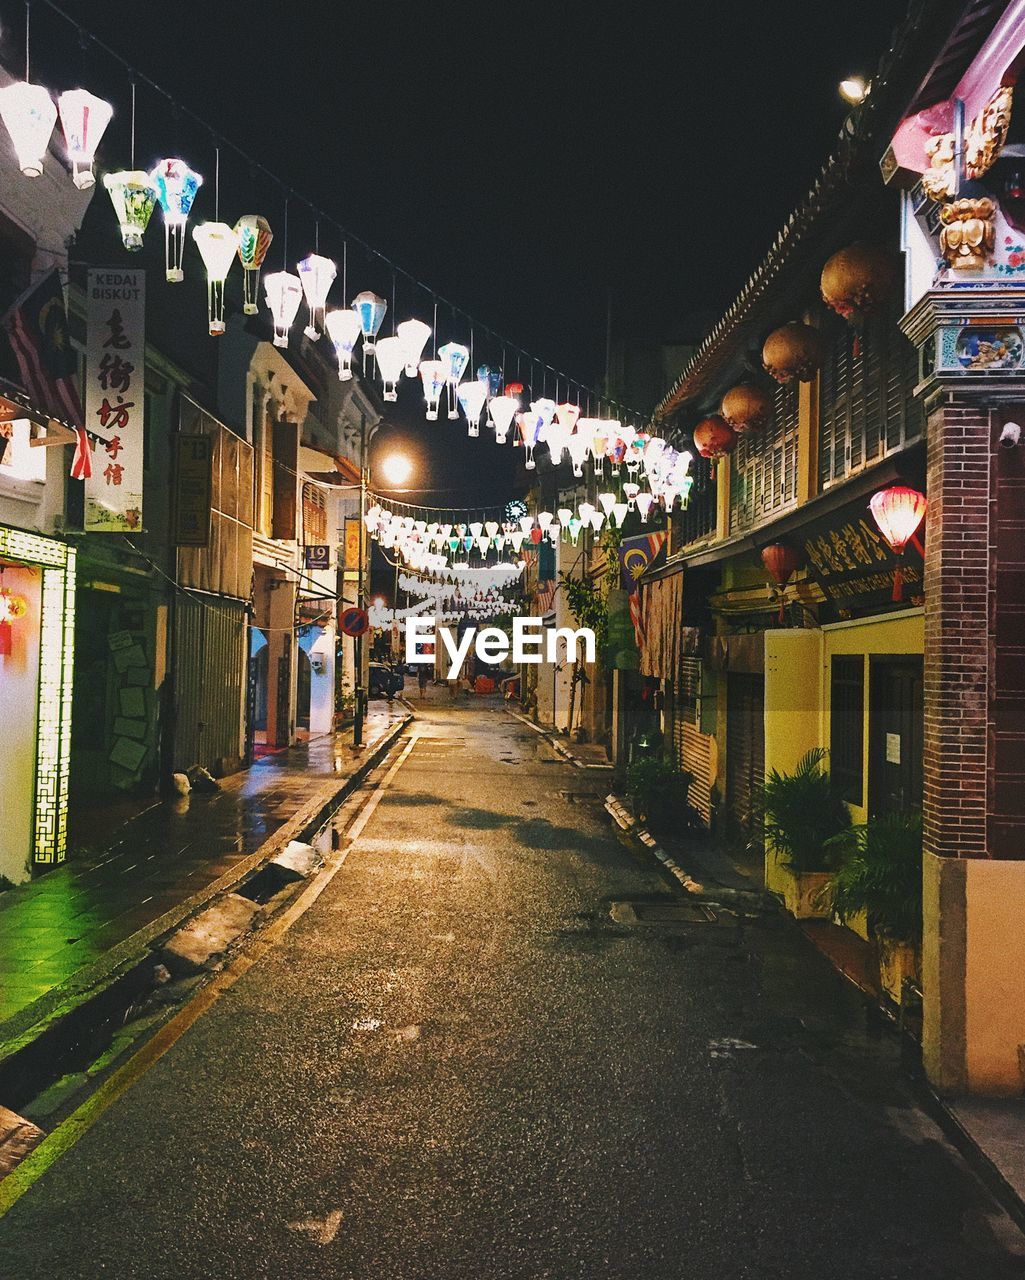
pixel 583 755
pixel 54 930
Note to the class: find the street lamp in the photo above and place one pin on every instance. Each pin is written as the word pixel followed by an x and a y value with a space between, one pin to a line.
pixel 396 468
pixel 853 90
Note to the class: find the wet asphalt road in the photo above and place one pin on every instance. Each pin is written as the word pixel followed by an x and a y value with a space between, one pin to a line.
pixel 458 1064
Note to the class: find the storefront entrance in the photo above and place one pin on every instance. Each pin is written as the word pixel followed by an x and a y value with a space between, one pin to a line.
pixel 895 735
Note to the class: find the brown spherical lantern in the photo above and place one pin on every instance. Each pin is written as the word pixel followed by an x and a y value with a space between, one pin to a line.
pixel 792 351
pixel 858 280
pixel 714 438
pixel 747 407
pixel 782 561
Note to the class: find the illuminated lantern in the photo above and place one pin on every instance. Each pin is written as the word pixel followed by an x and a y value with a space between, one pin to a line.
pixel 596 430
pixel 502 410
pixel 544 519
pixel 391 360
pixel 643 503
pixel 284 292
pixel 176 186
pixel 714 438
pixel 586 510
pixel 630 492
pixel 370 309
pixel 217 243
pixel 793 351
pixel 597 520
pixel 568 415
pixel 782 561
pixel 472 397
pixel 619 513
pixel 615 449
pixel 635 452
pixel 747 407
pixel 898 512
pixel 84 117
pixel 491 379
pixel 607 501
pixel 857 281
pixel 414 335
pixel 563 514
pixel 12 608
pixel 29 114
pixel 545 410
pixel 514 389
pixel 134 199
pixel 432 375
pixel 557 438
pixel 454 357
pixel 575 526
pixel 491 528
pixel 530 430
pixel 476 527
pixel 254 237
pixel 579 446
pixel 536 535
pixel 317 275
pixel 343 329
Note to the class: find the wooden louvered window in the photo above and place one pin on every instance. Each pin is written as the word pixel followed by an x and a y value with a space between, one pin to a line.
pixel 314 516
pixel 867 408
pixel 698 521
pixel 763 476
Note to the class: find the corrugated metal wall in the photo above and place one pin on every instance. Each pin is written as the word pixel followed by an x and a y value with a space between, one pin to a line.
pixel 210 668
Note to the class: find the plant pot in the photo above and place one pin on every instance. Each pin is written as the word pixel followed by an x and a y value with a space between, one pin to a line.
pixel 805 893
pixel 897 961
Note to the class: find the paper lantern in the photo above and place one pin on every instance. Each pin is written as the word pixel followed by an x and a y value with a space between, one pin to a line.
pixel 284 292
pixel 454 357
pixel 619 513
pixel 714 438
pixel 568 415
pixel 597 520
pixel 414 335
pixel 217 244
pixel 793 351
pixel 472 398
pixel 254 237
pixel 557 438
pixel 29 114
pixel 630 492
pixel 529 423
pixel 502 409
pixel 782 561
pixel 391 360
pixel 898 511
pixel 579 446
pixel 343 328
pixel 432 375
pixel 12 607
pixel 490 378
pixel 747 407
pixel 134 198
pixel 575 525
pixel 371 310
pixel 596 430
pixel 858 280
pixel 643 503
pixel 606 501
pixel 176 186
pixel 84 118
pixel 317 275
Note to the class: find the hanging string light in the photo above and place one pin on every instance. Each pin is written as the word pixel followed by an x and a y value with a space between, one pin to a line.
pixel 176 186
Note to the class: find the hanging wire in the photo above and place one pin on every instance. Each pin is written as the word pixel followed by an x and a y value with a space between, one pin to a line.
pixel 133 122
pixel 28 24
pixel 435 329
pixel 345 272
pixel 217 184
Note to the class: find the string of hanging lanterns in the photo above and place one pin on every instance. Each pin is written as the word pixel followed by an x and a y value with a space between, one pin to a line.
pixel 30 114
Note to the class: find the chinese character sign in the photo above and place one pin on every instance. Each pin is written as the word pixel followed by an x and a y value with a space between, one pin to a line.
pixel 114 398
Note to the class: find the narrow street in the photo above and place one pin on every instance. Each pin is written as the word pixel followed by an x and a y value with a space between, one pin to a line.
pixel 464 1060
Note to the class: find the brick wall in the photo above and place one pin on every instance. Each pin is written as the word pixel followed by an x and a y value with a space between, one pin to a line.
pixel 974 776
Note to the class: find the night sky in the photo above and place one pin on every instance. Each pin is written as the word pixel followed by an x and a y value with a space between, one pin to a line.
pixel 522 159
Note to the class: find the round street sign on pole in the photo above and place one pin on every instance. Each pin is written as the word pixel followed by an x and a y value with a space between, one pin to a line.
pixel 353 622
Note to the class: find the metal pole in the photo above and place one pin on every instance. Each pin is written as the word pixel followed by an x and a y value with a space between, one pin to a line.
pixel 361 593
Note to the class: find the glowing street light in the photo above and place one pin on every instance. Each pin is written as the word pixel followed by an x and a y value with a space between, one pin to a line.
pixel 396 468
pixel 853 90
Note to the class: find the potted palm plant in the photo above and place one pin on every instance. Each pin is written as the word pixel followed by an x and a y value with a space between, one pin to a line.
pixel 659 792
pixel 802 814
pixel 881 874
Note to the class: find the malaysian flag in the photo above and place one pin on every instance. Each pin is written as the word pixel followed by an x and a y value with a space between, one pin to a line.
pixel 37 326
pixel 546 596
pixel 636 555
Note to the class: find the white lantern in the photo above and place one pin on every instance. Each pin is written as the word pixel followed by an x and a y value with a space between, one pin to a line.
pixel 391 360
pixel 254 237
pixel 586 511
pixel 432 375
pixel 578 446
pixel 134 199
pixel 526 524
pixel 370 309
pixel 597 520
pixel 284 292
pixel 643 502
pixel 317 275
pixel 217 243
pixel 564 514
pixel 502 410
pixel 557 437
pixel 414 335
pixel 595 430
pixel 454 356
pixel 619 513
pixel 343 329
pixel 630 492
pixel 607 501
pixel 176 186
pixel 472 397
pixel 84 117
pixel 544 519
pixel 29 115
pixel 491 528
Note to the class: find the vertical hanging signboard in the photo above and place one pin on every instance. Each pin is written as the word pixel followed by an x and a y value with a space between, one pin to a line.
pixel 115 365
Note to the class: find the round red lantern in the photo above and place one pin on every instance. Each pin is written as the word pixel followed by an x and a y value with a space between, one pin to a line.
pixel 857 281
pixel 782 561
pixel 898 511
pixel 747 407
pixel 714 438
pixel 792 351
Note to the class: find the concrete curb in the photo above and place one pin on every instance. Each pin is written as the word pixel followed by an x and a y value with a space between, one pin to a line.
pixel 21 1031
pixel 555 744
pixel 627 823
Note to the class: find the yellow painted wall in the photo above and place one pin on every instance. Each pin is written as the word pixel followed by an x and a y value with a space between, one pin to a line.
pixel 994 975
pixel 903 633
